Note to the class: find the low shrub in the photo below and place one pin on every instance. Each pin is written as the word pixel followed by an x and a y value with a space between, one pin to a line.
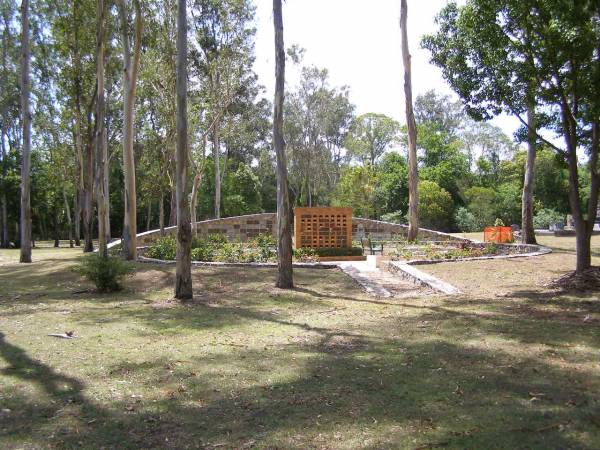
pixel 490 249
pixel 230 252
pixel 164 248
pixel 466 222
pixel 215 247
pixel 306 254
pixel 105 273
pixel 349 251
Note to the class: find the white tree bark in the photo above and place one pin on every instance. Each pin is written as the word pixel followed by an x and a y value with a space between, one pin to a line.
pixel 130 75
pixel 413 175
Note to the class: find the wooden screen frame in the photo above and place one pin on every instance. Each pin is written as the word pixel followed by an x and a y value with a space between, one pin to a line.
pixel 323 227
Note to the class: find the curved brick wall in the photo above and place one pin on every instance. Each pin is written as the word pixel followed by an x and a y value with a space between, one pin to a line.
pixel 236 228
pixel 249 226
pixel 377 229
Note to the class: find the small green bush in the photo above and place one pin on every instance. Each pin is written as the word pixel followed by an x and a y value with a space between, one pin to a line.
pixel 490 249
pixel 466 222
pixel 164 248
pixel 105 273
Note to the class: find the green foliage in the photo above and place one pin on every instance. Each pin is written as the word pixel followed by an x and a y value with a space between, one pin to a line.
pixel 350 251
pixel 466 221
pixel 306 254
pixel 370 135
pixel 242 192
pixel 482 203
pixel 394 217
pixel 357 189
pixel 545 217
pixel 317 118
pixel 164 248
pixel 508 202
pixel 105 273
pixel 435 206
pixel 215 247
pixel 499 223
pixel 490 249
pixel 392 188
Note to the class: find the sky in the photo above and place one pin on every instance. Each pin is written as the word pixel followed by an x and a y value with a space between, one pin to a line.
pixel 358 41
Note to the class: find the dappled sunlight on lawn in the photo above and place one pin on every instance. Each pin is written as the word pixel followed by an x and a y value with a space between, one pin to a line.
pixel 321 366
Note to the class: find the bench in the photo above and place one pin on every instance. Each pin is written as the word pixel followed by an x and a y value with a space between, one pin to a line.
pixel 373 247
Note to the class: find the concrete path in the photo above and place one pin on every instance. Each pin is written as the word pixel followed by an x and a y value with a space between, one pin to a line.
pixel 377 282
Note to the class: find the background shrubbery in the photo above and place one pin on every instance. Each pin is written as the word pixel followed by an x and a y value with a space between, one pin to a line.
pixel 215 247
pixel 545 217
pixel 263 248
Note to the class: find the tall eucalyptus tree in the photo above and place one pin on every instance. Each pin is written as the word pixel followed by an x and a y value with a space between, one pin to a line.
pixel 183 271
pixel 131 64
pixel 413 175
pixel 285 279
pixel 25 222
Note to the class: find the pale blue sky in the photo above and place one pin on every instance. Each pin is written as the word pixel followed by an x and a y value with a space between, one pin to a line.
pixel 358 41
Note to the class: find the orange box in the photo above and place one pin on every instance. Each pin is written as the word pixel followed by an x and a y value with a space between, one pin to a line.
pixel 498 235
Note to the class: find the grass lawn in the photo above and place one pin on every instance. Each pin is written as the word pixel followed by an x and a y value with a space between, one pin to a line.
pixel 507 364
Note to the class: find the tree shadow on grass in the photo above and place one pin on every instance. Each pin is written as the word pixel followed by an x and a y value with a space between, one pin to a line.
pixel 382 393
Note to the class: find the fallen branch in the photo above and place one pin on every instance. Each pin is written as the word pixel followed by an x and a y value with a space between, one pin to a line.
pixel 63 335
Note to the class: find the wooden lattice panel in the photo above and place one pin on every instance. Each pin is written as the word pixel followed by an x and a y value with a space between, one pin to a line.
pixel 323 227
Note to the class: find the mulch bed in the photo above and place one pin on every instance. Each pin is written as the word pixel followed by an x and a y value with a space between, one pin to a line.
pixel 585 281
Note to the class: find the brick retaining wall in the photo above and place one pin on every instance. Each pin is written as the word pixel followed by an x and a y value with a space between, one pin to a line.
pixel 242 228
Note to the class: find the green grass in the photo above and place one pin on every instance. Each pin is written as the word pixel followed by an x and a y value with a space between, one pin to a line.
pixel 324 366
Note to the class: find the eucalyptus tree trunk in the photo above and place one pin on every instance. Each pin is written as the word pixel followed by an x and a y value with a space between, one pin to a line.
pixel 149 215
pixel 25 226
pixel 88 199
pixel 194 201
pixel 3 205
pixel 56 228
pixel 198 174
pixel 77 214
pixel 69 220
pixel 79 177
pixel 285 278
pixel 183 271
pixel 161 214
pixel 413 175
pixel 3 208
pixel 101 144
pixel 527 229
pixel 583 227
pixel 173 206
pixel 216 145
pixel 130 74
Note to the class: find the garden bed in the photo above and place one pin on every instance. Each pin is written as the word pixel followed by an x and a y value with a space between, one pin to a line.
pixel 431 254
pixel 261 250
